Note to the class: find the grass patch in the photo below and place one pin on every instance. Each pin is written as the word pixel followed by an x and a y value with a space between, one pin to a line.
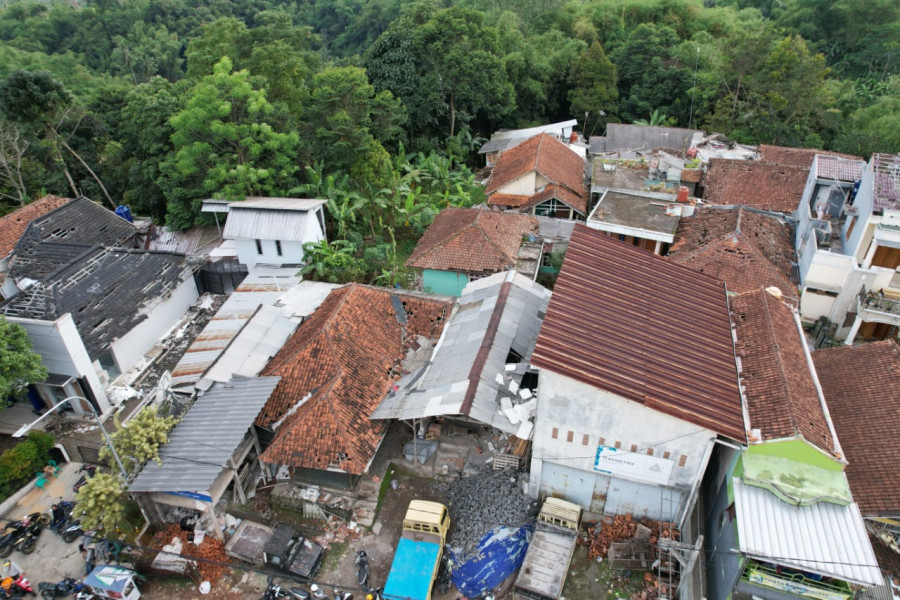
pixel 382 491
pixel 332 558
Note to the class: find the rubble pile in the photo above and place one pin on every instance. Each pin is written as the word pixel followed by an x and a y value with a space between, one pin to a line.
pixel 338 531
pixel 212 562
pixel 482 501
pixel 623 528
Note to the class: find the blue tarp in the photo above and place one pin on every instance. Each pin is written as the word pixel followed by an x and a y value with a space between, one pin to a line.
pixel 500 554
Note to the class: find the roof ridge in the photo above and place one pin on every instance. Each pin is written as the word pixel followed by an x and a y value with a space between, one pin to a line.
pixel 491 241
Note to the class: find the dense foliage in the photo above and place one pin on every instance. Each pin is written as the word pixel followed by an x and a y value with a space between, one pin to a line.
pixel 24 460
pixel 19 364
pixel 162 103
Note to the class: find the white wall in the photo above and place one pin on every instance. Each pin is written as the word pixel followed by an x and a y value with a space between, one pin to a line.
pixel 129 349
pixel 291 252
pixel 864 203
pixel 569 405
pixel 63 352
pixel 523 186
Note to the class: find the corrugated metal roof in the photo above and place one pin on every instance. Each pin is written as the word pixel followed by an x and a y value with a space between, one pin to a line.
pixel 204 440
pixel 301 204
pixel 824 538
pixel 262 286
pixel 634 324
pixel 460 379
pixel 266 224
pixel 504 140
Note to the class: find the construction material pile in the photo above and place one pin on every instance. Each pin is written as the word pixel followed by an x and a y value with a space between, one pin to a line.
pixel 210 553
pixel 623 528
pixel 338 531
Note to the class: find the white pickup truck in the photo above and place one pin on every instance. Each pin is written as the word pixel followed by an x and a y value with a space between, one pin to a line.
pixel 549 554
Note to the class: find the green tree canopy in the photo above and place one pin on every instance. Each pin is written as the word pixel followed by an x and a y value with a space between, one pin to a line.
pixel 594 90
pixel 19 364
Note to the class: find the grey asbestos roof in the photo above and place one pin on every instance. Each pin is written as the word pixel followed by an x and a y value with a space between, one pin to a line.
pixel 623 136
pixel 504 140
pixel 108 291
pixel 499 313
pixel 201 444
pixel 78 222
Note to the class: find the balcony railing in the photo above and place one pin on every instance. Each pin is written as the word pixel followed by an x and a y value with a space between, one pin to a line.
pixel 878 303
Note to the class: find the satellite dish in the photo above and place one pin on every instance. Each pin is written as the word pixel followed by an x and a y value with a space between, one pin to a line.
pixel 163 388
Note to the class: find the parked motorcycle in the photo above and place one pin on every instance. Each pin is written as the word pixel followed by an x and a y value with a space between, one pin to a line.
pixel 16 587
pixel 88 470
pixel 338 595
pixel 12 532
pixel 27 539
pixel 66 587
pixel 299 594
pixel 317 592
pixel 71 531
pixel 273 590
pixel 362 569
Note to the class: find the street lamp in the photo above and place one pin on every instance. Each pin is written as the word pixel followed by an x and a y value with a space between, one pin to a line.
pixel 26 428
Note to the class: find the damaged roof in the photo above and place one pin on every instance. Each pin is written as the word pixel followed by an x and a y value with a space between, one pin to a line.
pixel 13 225
pixel 80 222
pixel 108 291
pixel 798 157
pixel 472 240
pixel 862 385
pixel 545 155
pixel 837 168
pixel 468 374
pixel 335 370
pixel 780 389
pixel 887 181
pixel 639 338
pixel 759 184
pixel 745 249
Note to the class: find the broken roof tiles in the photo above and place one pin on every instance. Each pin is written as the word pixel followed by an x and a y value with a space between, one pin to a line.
pixel 798 157
pixel 745 249
pixel 861 385
pixel 548 157
pixel 758 184
pixel 640 340
pixel 108 291
pixel 839 169
pixel 13 225
pixel 887 181
pixel 779 385
pixel 336 368
pixel 471 240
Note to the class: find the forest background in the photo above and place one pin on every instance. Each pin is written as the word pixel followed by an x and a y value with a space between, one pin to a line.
pixel 379 106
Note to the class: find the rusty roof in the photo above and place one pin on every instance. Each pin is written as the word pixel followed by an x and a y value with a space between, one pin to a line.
pixel 862 388
pixel 799 157
pixel 545 155
pixel 779 386
pixel 839 168
pixel 625 321
pixel 335 370
pixel 471 240
pixel 759 184
pixel 744 249
pixel 13 225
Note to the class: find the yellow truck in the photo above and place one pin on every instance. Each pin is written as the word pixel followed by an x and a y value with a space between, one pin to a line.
pixel 418 554
pixel 549 554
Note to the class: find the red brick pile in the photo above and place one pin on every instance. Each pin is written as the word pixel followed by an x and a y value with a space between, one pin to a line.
pixel 212 549
pixel 622 528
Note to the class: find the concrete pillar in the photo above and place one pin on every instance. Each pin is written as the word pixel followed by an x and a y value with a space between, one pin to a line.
pixel 867 262
pixel 854 329
pixel 658 248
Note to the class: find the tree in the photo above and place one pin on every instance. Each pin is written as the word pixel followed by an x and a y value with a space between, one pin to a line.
pixel 19 364
pixel 594 93
pixel 101 502
pixel 139 440
pixel 334 262
pixel 12 152
pixel 226 146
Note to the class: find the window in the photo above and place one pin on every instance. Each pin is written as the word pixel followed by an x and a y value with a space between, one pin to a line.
pixel 278 247
pixel 634 447
pixel 570 436
pixel 584 439
pixel 555 433
pixel 258 247
pixel 682 461
pixel 667 454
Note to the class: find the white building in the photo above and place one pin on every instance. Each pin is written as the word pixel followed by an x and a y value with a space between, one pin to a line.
pixel 848 246
pixel 632 393
pixel 272 231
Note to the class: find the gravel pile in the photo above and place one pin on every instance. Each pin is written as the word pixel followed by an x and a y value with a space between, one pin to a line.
pixel 482 501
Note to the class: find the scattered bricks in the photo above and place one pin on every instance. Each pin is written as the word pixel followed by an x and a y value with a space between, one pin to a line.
pixel 622 528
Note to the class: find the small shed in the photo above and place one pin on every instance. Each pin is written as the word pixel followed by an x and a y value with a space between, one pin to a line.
pixel 212 449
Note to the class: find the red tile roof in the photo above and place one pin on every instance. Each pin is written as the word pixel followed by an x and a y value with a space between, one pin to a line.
pixel 746 250
pixel 840 169
pixel 758 184
pixel 799 157
pixel 545 155
pixel 862 388
pixel 780 389
pixel 13 225
pixel 342 361
pixel 471 240
pixel 625 321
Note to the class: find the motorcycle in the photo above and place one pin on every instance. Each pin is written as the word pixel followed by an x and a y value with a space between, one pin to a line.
pixel 338 595
pixel 88 470
pixel 71 531
pixel 298 594
pixel 12 532
pixel 362 569
pixel 27 539
pixel 16 587
pixel 66 587
pixel 317 592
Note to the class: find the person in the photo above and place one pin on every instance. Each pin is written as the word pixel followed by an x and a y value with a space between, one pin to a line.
pixel 89 554
pixel 58 514
pixel 10 569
